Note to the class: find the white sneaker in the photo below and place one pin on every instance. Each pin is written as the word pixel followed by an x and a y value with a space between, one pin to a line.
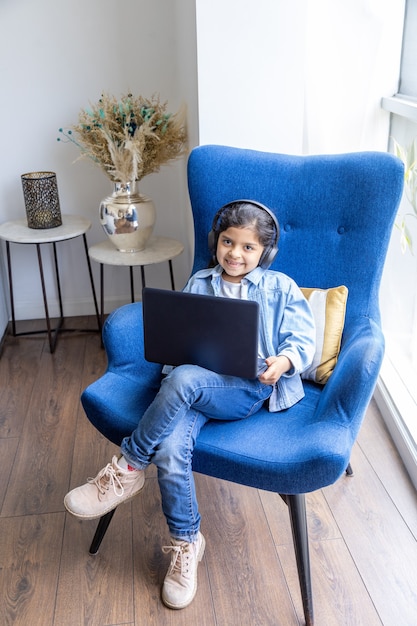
pixel 180 584
pixel 112 486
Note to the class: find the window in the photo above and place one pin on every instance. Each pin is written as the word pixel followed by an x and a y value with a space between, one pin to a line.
pixel 397 393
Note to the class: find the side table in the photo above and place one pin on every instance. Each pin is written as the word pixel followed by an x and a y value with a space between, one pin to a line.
pixel 158 250
pixel 18 232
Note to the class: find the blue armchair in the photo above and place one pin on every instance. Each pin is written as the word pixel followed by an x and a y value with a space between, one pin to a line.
pixel 336 215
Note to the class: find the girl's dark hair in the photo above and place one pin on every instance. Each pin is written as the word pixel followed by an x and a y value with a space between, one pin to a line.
pixel 246 214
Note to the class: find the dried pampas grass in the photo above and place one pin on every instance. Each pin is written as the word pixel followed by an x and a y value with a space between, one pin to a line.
pixel 129 137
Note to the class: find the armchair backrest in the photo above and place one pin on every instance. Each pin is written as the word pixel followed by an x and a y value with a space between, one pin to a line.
pixel 336 212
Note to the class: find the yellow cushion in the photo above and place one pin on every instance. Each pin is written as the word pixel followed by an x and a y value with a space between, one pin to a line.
pixel 328 306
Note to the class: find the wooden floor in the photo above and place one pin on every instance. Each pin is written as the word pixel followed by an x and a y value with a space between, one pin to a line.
pixel 363 530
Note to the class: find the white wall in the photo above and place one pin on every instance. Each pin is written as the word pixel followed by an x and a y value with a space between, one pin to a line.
pixel 56 57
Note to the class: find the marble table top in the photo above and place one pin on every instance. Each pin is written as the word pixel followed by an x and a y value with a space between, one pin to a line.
pixel 17 231
pixel 158 249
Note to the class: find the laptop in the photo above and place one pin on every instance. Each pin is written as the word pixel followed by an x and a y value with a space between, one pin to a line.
pixel 219 334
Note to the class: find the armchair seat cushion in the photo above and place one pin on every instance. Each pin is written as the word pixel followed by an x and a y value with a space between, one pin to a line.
pixel 287 452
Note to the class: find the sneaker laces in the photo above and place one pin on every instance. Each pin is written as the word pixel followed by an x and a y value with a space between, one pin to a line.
pixel 180 559
pixel 106 478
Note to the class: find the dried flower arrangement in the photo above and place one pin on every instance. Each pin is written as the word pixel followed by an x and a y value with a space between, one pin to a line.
pixel 129 137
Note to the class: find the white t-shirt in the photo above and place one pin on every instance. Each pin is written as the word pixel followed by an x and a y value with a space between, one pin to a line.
pixel 234 290
pixel 239 291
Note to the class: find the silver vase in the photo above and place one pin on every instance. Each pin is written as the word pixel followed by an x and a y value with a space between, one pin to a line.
pixel 127 217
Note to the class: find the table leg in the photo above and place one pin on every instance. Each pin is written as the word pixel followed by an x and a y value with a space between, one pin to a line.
pixel 132 286
pixel 52 340
pixel 171 273
pixel 90 273
pixel 58 283
pixel 52 332
pixel 142 275
pixel 101 295
pixel 9 267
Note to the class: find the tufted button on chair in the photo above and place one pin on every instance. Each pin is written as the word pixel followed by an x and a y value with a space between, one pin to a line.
pixel 336 214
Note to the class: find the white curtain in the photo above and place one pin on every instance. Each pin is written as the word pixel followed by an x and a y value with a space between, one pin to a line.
pixel 305 76
pixel 353 53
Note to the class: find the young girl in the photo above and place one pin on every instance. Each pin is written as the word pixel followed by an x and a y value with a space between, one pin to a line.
pixel 244 242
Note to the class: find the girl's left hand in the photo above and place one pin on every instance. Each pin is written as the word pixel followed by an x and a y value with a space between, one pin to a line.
pixel 277 365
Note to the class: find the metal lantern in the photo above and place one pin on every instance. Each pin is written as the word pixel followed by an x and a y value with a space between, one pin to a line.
pixel 40 191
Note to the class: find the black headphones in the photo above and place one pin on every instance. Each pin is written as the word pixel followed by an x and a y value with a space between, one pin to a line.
pixel 270 251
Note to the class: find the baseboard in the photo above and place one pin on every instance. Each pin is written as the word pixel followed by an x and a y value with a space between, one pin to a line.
pixel 395 419
pixel 3 338
pixel 72 308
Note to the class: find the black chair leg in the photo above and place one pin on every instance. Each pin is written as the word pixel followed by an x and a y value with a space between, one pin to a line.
pixel 101 529
pixel 349 470
pixel 298 516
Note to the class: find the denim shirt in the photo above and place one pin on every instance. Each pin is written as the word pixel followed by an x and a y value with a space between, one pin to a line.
pixel 286 324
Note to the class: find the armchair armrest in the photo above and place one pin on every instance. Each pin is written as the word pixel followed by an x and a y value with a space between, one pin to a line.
pixel 346 395
pixel 115 402
pixel 124 345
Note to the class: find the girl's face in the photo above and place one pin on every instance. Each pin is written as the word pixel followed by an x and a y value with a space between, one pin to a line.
pixel 238 252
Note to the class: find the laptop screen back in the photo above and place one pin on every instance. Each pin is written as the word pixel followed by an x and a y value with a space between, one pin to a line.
pixel 219 334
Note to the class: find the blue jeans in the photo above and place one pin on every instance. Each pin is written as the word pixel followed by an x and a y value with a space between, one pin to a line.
pixel 166 434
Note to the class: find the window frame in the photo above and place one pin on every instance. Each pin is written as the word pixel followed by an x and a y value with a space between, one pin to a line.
pixel 394 399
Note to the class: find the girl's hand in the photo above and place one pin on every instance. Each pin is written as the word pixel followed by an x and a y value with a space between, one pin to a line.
pixel 277 365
